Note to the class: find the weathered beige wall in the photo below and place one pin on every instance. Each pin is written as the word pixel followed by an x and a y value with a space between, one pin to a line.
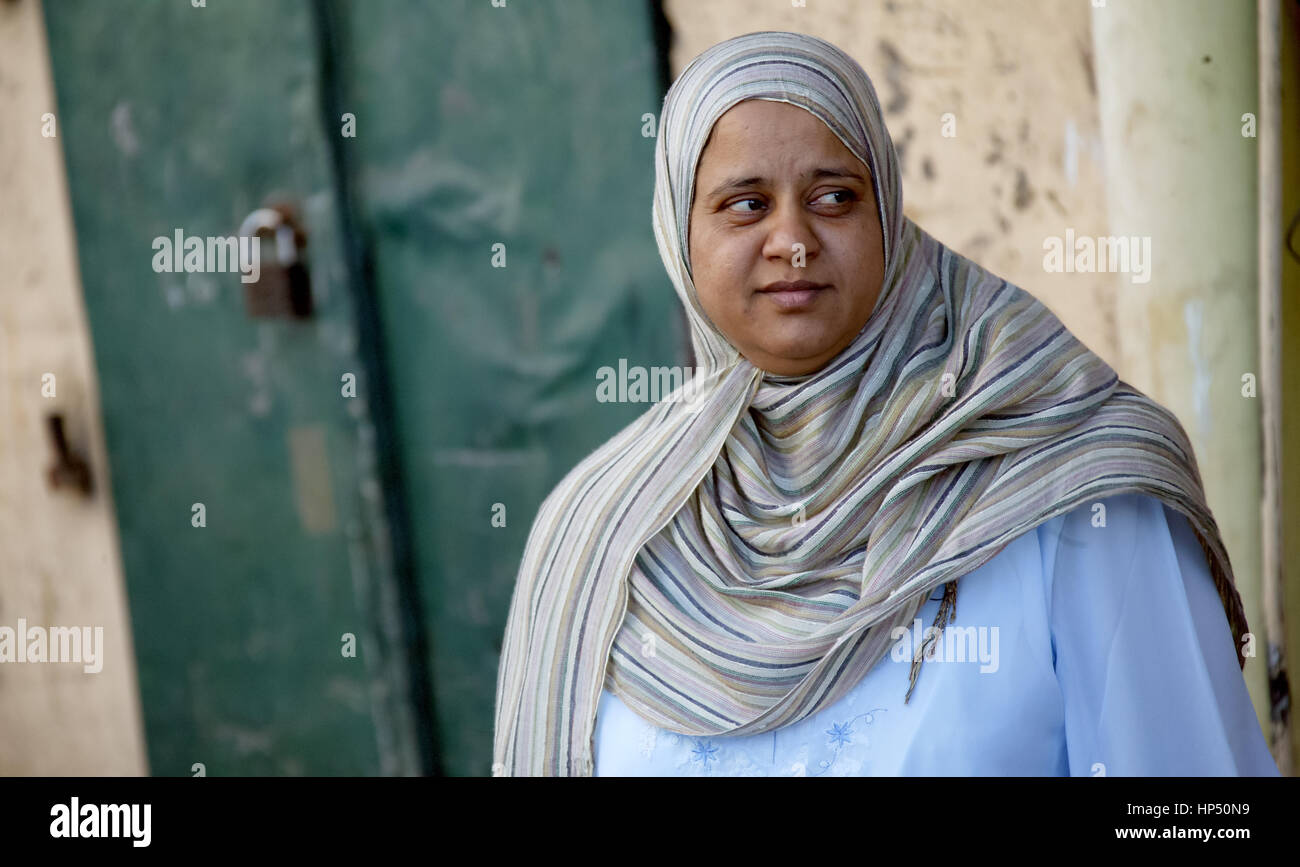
pixel 59 559
pixel 1017 76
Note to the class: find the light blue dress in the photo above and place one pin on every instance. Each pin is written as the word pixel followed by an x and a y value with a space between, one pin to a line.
pixel 1111 656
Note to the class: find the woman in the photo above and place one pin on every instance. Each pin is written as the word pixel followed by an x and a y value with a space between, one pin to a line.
pixel 732 584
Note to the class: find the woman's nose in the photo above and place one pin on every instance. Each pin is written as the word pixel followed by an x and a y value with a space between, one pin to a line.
pixel 790 233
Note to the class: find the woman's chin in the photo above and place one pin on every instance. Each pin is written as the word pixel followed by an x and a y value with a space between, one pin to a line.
pixel 796 359
pixel 802 352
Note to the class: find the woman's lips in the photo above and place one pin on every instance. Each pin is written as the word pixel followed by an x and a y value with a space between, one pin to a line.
pixel 793 296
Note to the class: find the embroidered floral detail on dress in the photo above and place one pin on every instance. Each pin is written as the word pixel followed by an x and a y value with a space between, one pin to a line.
pixel 840 735
pixel 704 752
pixel 648 738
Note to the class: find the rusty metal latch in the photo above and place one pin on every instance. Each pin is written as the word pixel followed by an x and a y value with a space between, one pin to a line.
pixel 69 469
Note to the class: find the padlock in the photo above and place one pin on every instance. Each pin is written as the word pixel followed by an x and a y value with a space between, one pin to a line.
pixel 283 288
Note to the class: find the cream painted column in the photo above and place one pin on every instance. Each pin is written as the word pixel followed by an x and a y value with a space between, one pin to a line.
pixel 1174 78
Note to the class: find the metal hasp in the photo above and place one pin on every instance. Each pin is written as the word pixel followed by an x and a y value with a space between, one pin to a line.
pixel 69 470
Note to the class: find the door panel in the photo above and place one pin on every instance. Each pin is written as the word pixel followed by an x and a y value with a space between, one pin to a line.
pixel 519 126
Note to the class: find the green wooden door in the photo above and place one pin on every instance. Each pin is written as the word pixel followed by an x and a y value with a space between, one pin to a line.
pixel 327 514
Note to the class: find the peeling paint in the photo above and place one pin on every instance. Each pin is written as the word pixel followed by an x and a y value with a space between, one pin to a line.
pixel 1194 317
pixel 123 130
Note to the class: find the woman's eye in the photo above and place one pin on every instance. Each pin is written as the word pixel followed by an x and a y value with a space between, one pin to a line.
pixel 741 202
pixel 848 196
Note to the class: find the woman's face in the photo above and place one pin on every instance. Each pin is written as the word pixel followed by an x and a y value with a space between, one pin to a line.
pixel 773 177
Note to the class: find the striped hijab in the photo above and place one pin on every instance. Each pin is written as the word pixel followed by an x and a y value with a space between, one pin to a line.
pixel 736 562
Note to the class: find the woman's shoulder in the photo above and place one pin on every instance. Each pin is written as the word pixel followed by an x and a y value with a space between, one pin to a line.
pixel 1141 645
pixel 1090 553
pixel 1106 525
pixel 1122 563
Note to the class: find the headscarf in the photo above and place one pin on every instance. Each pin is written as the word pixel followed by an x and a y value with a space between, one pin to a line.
pixel 736 562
